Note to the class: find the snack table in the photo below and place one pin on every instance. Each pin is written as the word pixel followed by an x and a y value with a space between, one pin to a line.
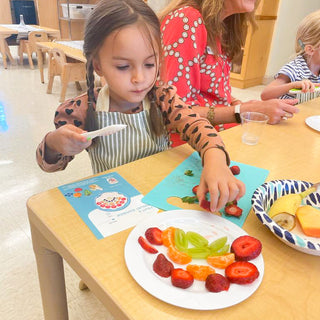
pixel 290 287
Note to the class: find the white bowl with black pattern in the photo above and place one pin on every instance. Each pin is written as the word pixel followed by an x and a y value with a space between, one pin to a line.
pixel 265 195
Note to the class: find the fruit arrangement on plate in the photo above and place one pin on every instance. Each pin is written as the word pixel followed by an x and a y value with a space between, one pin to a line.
pixel 186 248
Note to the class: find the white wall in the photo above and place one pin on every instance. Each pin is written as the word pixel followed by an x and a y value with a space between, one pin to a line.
pixel 290 13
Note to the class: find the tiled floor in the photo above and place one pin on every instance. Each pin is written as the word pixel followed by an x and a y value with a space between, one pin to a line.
pixel 29 114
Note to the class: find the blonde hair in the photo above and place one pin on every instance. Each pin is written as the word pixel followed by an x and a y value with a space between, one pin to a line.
pixel 107 17
pixel 231 31
pixel 308 32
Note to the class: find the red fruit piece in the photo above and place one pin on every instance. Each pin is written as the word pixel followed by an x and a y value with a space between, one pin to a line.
pixel 233 210
pixel 146 245
pixel 205 204
pixel 162 266
pixel 235 170
pixel 242 272
pixel 217 282
pixel 181 278
pixel 195 189
pixel 154 235
pixel 246 248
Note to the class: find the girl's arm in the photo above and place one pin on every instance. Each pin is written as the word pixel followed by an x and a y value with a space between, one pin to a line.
pixel 216 177
pixel 58 147
pixel 282 85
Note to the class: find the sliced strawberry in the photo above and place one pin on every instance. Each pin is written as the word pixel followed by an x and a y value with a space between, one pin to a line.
pixel 235 170
pixel 233 210
pixel 242 272
pixel 205 204
pixel 217 282
pixel 181 278
pixel 246 248
pixel 231 202
pixel 154 235
pixel 162 266
pixel 195 189
pixel 146 245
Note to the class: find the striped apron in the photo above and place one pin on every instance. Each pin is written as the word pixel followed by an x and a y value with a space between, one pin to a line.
pixel 136 141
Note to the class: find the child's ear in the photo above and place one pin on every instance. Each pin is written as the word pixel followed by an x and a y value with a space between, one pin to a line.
pixel 309 49
pixel 97 67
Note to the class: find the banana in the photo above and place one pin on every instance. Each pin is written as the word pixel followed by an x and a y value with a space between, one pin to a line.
pixel 290 202
pixel 285 220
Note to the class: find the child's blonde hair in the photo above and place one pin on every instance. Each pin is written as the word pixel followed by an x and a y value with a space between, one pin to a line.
pixel 108 16
pixel 231 31
pixel 308 32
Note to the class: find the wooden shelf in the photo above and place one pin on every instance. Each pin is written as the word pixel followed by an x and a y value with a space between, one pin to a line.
pixel 251 67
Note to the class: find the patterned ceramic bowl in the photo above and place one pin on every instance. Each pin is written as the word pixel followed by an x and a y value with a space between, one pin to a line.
pixel 263 198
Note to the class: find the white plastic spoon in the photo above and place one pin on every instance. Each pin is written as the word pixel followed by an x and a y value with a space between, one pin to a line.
pixel 104 131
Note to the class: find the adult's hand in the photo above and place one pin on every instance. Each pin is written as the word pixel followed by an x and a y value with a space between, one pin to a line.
pixel 276 109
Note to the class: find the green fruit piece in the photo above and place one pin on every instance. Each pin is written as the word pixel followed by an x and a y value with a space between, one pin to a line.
pixel 218 244
pixel 198 253
pixel 223 250
pixel 180 240
pixel 196 239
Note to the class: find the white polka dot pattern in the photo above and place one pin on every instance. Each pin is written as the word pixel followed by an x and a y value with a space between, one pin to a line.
pixel 201 77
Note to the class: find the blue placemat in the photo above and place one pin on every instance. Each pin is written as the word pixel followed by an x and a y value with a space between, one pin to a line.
pixel 107 203
pixel 177 184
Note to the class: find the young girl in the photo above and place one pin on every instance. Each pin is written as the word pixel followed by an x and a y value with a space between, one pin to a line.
pixel 304 71
pixel 122 44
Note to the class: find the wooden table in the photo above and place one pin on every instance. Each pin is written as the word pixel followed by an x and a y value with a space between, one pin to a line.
pixel 74 53
pixel 291 285
pixel 7 32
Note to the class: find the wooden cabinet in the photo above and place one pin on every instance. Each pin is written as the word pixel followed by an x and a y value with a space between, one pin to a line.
pixel 251 67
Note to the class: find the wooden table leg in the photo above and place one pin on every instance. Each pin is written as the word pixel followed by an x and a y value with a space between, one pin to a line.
pixel 51 277
pixel 3 51
pixel 40 63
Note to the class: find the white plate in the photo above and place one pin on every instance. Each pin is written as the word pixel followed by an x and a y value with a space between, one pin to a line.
pixel 313 122
pixel 139 262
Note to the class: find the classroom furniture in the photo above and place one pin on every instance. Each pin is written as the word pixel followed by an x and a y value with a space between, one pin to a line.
pixel 70 51
pixel 68 71
pixel 290 286
pixel 250 68
pixel 29 46
pixel 6 30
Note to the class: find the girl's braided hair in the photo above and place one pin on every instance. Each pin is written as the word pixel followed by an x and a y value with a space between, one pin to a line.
pixel 108 16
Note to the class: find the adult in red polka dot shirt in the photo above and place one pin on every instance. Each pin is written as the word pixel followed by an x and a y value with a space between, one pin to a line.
pixel 200 38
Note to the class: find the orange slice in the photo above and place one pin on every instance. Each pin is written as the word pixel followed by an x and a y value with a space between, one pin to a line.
pixel 200 272
pixel 222 261
pixel 168 236
pixel 177 256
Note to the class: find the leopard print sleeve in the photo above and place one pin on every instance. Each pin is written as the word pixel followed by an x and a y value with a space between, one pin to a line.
pixel 72 111
pixel 193 128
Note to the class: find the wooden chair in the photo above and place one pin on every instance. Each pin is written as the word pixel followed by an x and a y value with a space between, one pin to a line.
pixel 29 46
pixel 69 71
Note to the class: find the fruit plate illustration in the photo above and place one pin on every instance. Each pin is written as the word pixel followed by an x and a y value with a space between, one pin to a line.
pixel 197 297
pixel 263 198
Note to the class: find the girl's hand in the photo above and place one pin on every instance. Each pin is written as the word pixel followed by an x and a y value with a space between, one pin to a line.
pixel 305 85
pixel 218 180
pixel 66 140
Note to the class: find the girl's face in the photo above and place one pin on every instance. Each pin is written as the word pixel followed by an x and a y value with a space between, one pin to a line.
pixel 237 6
pixel 129 65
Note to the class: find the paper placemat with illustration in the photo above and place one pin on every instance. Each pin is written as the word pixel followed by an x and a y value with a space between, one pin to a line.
pixel 107 203
pixel 168 193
